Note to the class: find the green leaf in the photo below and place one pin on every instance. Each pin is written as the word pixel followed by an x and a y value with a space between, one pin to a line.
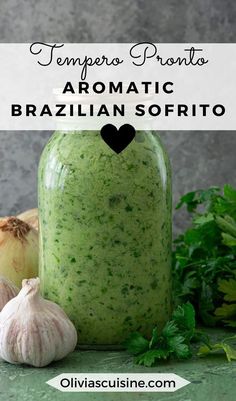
pixel 208 349
pixel 184 318
pixel 225 345
pixel 170 329
pixel 189 284
pixel 204 350
pixel 182 260
pixel 230 352
pixel 230 193
pixel 150 357
pixel 195 198
pixel 228 287
pixel 209 194
pixel 205 236
pixel 136 344
pixel 178 347
pixel 227 224
pixel 230 323
pixel 155 337
pixel 188 200
pixel 228 240
pixel 193 237
pixel 226 311
pixel 202 219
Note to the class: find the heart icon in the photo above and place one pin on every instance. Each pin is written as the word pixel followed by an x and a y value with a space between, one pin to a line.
pixel 116 139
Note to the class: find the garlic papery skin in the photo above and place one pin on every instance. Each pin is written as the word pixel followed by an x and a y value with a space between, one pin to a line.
pixel 30 217
pixel 7 291
pixel 18 250
pixel 34 331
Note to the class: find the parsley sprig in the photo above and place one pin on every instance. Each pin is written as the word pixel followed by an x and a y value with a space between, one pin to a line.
pixel 172 342
pixel 226 345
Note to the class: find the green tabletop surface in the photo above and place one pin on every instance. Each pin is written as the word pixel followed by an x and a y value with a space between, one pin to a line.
pixel 212 378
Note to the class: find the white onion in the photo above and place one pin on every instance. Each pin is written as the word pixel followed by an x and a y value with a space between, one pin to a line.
pixel 7 291
pixel 18 250
pixel 31 217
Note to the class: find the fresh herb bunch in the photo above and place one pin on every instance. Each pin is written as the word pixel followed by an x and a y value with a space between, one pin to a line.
pixel 204 257
pixel 176 339
pixel 173 341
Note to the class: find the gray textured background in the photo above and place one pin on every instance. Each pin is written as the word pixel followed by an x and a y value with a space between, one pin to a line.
pixel 199 159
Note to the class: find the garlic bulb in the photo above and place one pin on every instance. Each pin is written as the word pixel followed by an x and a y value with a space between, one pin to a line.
pixel 33 330
pixel 7 291
pixel 18 250
pixel 30 217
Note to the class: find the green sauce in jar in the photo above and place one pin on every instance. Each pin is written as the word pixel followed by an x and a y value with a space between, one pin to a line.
pixel 105 234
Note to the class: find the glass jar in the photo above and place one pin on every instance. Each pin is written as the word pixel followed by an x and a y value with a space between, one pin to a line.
pixel 105 234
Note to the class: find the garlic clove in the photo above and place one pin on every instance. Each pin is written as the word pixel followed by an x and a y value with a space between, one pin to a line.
pixel 33 330
pixel 30 217
pixel 7 291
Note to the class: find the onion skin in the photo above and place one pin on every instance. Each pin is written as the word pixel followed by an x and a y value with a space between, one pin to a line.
pixel 7 291
pixel 31 217
pixel 18 250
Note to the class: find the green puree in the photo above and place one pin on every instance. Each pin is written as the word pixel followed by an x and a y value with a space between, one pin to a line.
pixel 105 227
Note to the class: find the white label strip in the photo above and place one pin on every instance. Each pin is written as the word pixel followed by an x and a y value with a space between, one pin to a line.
pixel 118 382
pixel 150 86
